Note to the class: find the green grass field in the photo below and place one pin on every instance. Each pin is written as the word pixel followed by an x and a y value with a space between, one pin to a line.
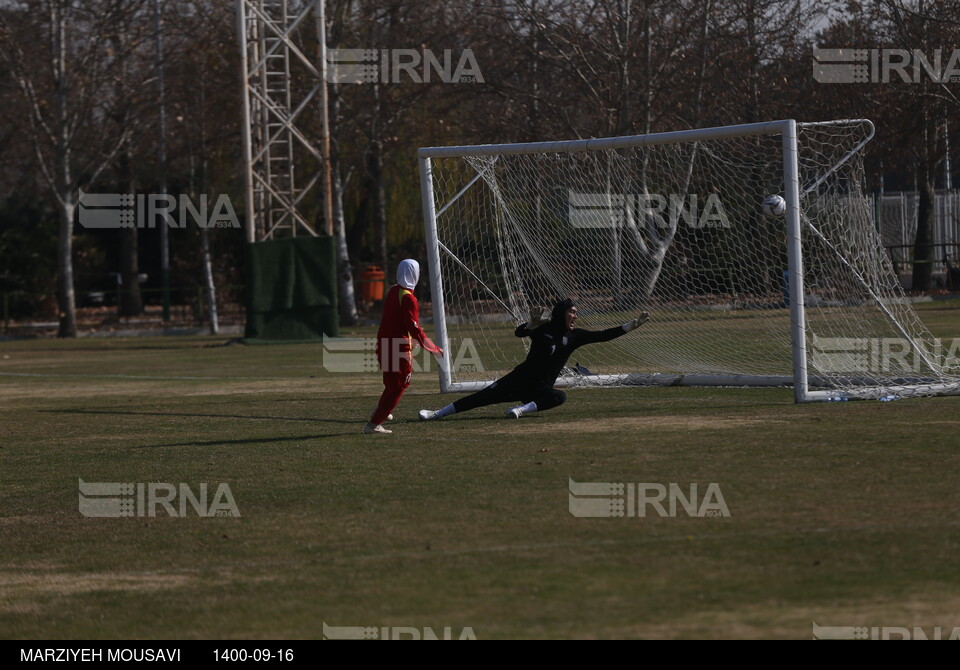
pixel 841 514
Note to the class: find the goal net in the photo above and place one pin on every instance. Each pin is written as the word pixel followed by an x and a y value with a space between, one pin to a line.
pixel 674 224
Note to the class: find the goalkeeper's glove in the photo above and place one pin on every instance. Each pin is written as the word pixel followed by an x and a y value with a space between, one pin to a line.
pixel 536 319
pixel 636 323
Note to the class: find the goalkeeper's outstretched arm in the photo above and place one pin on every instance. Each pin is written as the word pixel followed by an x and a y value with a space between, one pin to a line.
pixel 594 336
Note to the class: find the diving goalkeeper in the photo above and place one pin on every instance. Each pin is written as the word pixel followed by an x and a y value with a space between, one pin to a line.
pixel 531 382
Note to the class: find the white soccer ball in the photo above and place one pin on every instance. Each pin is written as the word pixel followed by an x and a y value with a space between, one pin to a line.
pixel 774 205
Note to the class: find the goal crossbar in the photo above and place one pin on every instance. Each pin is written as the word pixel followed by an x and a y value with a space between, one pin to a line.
pixel 601 143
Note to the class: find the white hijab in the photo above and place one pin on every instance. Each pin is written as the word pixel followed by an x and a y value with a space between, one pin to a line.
pixel 408 273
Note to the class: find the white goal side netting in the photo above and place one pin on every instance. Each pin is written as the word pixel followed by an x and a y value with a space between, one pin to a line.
pixel 677 227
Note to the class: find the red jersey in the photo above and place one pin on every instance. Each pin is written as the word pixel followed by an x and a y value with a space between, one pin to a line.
pixel 400 326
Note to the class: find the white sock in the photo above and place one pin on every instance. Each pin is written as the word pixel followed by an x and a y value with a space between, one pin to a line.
pixel 529 407
pixel 449 409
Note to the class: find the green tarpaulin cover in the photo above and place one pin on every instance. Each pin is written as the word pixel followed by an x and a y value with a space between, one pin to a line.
pixel 291 289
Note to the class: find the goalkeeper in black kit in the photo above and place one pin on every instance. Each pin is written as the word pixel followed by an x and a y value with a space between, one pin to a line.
pixel 531 382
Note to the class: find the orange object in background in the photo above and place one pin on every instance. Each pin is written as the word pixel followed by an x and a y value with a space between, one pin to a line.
pixel 371 283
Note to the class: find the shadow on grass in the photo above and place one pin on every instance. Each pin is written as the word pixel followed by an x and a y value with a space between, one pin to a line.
pixel 103 345
pixel 484 417
pixel 265 440
pixel 202 416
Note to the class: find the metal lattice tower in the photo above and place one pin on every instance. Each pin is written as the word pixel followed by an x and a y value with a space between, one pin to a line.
pixel 281 87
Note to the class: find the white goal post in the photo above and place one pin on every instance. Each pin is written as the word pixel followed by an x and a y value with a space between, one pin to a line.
pixel 674 223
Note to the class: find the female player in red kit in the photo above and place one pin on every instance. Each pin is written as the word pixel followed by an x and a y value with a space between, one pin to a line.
pixel 399 326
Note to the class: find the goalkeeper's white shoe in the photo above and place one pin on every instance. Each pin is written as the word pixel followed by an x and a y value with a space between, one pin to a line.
pixel 372 429
pixel 427 415
pixel 514 413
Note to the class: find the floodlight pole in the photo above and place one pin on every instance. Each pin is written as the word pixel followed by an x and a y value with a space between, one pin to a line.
pixel 325 118
pixel 249 219
pixel 282 165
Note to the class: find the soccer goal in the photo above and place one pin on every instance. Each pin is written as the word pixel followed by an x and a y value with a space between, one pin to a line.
pixel 743 289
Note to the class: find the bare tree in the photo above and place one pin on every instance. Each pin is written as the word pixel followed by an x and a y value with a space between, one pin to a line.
pixel 347 296
pixel 927 26
pixel 67 103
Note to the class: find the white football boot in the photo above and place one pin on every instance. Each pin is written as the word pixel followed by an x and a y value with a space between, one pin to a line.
pixel 371 429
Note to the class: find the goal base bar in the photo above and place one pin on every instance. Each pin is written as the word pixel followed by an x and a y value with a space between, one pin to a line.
pixel 636 379
pixel 870 389
pixel 880 393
